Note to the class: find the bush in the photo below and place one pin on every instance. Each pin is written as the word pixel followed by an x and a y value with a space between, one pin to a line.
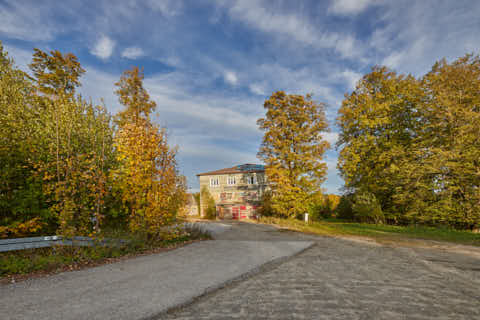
pixel 344 209
pixel 266 209
pixel 366 208
pixel 208 203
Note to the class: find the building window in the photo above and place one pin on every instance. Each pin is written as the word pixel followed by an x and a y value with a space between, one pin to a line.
pixel 252 180
pixel 214 182
pixel 231 180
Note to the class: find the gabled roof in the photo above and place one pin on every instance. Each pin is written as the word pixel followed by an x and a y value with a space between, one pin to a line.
pixel 243 168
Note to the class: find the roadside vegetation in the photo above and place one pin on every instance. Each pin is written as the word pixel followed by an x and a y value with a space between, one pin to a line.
pixel 63 258
pixel 71 168
pixel 339 227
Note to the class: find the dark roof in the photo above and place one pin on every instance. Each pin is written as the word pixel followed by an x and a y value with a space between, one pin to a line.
pixel 243 168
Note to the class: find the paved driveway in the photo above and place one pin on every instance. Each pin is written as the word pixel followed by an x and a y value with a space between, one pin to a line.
pixel 343 279
pixel 145 286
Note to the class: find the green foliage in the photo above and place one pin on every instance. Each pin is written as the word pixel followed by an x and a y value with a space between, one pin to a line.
pixel 414 143
pixel 66 168
pixel 380 232
pixel 208 204
pixel 21 196
pixel 344 209
pixel 323 206
pixel 366 208
pixel 61 257
pixel 266 209
pixel 292 149
pixel 146 178
pixel 196 196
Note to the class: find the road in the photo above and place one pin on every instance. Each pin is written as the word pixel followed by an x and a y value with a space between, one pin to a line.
pixel 260 272
pixel 348 279
pixel 145 286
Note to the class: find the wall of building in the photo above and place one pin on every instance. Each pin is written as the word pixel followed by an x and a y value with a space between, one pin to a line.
pixel 240 200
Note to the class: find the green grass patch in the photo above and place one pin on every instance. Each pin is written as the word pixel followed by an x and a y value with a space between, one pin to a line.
pixel 61 258
pixel 339 227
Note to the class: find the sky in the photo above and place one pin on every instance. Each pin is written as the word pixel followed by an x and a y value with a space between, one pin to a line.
pixel 210 64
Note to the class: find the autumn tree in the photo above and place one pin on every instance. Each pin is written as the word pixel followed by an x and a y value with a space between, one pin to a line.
pixel 147 178
pixel 76 143
pixel 292 149
pixel 22 206
pixel 378 123
pixel 412 145
pixel 56 73
pixel 447 180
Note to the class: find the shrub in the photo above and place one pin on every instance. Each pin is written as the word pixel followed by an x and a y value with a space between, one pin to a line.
pixel 208 203
pixel 266 209
pixel 344 209
pixel 366 208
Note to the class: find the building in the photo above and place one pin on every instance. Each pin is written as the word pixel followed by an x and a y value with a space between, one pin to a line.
pixel 237 191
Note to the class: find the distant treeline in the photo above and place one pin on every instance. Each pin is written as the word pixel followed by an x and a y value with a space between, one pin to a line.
pixel 68 166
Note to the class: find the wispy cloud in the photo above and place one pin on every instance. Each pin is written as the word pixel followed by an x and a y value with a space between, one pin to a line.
pixel 349 7
pixel 133 53
pixel 260 16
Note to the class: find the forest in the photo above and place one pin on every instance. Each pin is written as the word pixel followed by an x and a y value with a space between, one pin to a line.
pixel 69 167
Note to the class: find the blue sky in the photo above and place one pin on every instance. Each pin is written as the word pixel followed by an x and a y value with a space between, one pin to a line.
pixel 209 64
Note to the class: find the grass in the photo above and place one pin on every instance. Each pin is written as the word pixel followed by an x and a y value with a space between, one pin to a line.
pixel 40 261
pixel 332 227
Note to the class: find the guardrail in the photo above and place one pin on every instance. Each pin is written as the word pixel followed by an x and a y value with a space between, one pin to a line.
pixel 48 241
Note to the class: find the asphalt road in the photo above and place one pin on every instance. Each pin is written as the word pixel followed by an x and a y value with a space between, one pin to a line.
pixel 260 272
pixel 348 279
pixel 145 286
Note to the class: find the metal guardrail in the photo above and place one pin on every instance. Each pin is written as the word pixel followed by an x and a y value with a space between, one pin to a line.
pixel 48 241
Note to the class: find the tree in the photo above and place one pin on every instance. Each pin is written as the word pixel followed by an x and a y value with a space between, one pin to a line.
pixel 56 73
pixel 413 144
pixel 76 139
pixel 131 93
pixel 292 149
pixel 448 145
pixel 378 124
pixel 208 204
pixel 147 177
pixel 22 206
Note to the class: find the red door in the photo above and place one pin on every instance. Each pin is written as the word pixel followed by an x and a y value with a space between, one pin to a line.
pixel 243 212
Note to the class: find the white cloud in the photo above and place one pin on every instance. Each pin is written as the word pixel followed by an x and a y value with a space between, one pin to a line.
pixel 257 88
pixel 21 57
pixel 97 84
pixel 133 53
pixel 351 77
pixel 415 34
pixel 230 77
pixel 103 48
pixel 21 20
pixel 330 137
pixel 291 26
pixel 349 7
